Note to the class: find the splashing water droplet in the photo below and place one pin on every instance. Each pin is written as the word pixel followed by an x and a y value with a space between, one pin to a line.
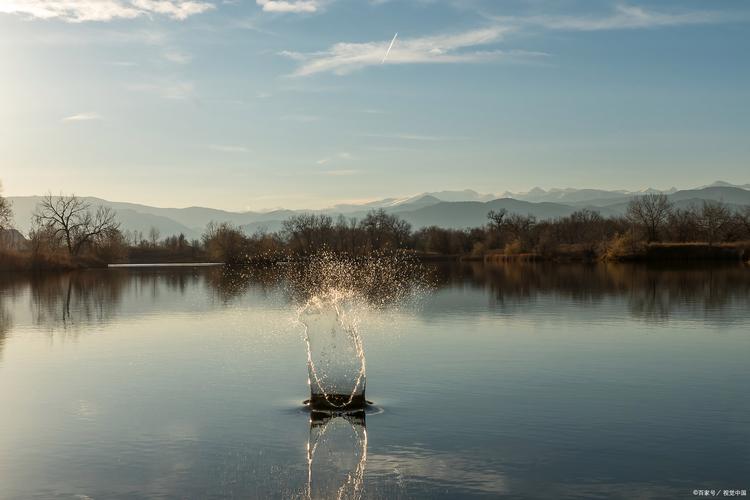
pixel 335 293
pixel 335 356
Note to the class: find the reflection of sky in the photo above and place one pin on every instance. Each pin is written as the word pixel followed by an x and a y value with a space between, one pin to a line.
pixel 193 392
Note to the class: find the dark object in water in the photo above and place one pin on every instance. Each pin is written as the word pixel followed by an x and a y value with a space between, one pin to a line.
pixel 337 402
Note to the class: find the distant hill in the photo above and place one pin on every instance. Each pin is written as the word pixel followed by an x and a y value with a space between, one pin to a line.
pixel 453 209
pixel 462 214
pixel 132 217
pixel 538 195
pixel 736 195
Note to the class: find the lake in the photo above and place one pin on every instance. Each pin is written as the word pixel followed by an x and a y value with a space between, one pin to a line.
pixel 516 380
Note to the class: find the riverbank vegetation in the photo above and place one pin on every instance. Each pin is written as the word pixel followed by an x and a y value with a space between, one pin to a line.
pixel 68 233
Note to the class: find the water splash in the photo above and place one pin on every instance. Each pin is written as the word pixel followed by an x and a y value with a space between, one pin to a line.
pixel 334 294
pixel 335 355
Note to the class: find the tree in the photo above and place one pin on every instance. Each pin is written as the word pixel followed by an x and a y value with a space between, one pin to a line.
pixel 71 219
pixel 224 242
pixel 743 218
pixel 385 230
pixel 153 236
pixel 582 226
pixel 683 224
pixel 713 220
pixel 307 232
pixel 497 219
pixel 6 212
pixel 649 212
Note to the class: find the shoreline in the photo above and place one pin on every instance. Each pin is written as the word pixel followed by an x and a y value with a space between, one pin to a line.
pixel 646 254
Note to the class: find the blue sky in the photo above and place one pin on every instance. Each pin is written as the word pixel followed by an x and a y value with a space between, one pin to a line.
pixel 251 104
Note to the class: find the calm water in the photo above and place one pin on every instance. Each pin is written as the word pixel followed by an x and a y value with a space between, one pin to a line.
pixel 517 381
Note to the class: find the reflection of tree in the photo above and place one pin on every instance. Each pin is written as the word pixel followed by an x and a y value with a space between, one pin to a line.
pixel 229 284
pixel 336 456
pixel 652 293
pixel 71 300
pixel 11 285
pixel 5 323
pixel 74 299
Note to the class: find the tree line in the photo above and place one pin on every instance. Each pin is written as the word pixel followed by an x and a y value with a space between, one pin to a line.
pixel 649 219
pixel 68 230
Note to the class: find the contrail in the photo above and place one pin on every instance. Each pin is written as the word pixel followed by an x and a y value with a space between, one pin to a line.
pixel 389 48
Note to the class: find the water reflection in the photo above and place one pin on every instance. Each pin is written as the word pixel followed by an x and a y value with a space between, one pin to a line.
pixel 5 325
pixel 336 456
pixel 649 293
pixel 69 300
pixel 180 387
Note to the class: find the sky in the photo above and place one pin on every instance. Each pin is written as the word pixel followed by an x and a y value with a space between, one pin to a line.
pixel 259 104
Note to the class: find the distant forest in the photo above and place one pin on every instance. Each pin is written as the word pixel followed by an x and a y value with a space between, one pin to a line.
pixel 68 232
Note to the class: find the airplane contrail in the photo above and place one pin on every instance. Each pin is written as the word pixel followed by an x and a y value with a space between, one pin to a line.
pixel 389 48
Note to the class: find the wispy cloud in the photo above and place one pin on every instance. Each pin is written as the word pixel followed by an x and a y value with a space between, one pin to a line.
pixel 343 58
pixel 290 6
pixel 228 149
pixel 622 17
pixel 78 11
pixel 82 117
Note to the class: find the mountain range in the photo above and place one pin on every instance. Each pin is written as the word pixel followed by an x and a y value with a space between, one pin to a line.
pixel 451 209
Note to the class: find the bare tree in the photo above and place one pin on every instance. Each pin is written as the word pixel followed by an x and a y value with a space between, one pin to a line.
pixel 71 218
pixel 682 224
pixel 153 236
pixel 582 226
pixel 307 232
pixel 743 218
pixel 497 219
pixel 650 212
pixel 385 230
pixel 6 212
pixel 225 242
pixel 713 220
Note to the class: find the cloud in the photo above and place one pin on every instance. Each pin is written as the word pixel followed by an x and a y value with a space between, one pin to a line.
pixel 343 58
pixel 82 117
pixel 290 6
pixel 78 11
pixel 623 17
pixel 228 149
pixel 176 9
